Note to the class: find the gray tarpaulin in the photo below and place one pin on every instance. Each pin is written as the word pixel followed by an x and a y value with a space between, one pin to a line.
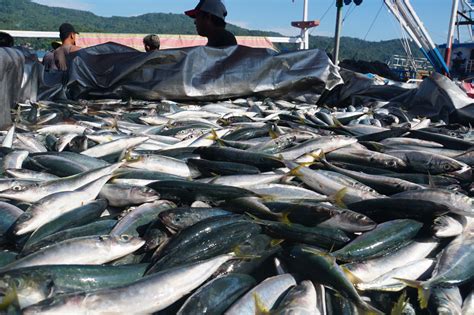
pixel 198 73
pixel 437 97
pixel 203 73
pixel 11 74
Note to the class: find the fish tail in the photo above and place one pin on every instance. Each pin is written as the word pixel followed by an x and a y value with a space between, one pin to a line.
pixel 285 218
pixel 351 276
pixel 368 309
pixel 260 308
pixel 10 298
pixel 272 134
pixel 319 155
pixel 296 171
pixel 337 123
pixel 401 304
pixel 215 137
pixel 338 197
pixel 424 291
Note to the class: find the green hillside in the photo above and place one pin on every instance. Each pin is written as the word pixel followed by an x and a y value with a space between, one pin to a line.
pixel 26 15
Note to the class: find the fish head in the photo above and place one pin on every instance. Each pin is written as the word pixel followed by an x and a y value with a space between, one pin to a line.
pixel 446 226
pixel 23 224
pixel 145 193
pixel 448 166
pixel 28 289
pixel 394 163
pixel 122 245
pixel 354 221
pixel 172 219
pixel 20 191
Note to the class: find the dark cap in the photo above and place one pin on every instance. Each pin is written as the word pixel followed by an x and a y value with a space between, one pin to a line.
pixel 214 7
pixel 65 29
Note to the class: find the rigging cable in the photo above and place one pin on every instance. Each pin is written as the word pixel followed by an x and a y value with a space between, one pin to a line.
pixel 349 11
pixel 374 20
pixel 323 16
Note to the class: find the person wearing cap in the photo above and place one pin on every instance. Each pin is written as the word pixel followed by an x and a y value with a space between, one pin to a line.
pixel 48 59
pixel 67 33
pixel 151 42
pixel 209 18
pixel 6 40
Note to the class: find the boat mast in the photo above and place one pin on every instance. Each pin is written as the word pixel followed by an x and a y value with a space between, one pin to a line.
pixel 305 31
pixel 337 36
pixel 452 26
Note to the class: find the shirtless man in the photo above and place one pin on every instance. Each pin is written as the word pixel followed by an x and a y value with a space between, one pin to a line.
pixel 67 33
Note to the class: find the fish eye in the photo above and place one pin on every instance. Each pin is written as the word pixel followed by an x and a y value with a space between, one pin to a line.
pixel 392 163
pixel 17 282
pixel 125 238
pixel 17 188
pixel 446 167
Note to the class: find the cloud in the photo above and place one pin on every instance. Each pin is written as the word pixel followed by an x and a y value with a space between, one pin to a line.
pixel 69 4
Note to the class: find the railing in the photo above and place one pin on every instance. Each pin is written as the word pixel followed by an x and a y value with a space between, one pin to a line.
pixel 469 66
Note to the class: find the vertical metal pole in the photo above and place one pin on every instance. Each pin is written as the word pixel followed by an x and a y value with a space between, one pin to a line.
pixel 305 31
pixel 452 25
pixel 337 39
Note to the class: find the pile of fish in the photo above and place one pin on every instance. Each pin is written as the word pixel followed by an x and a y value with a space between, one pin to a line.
pixel 251 206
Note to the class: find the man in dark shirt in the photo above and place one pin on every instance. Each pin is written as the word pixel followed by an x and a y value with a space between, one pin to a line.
pixel 6 40
pixel 209 18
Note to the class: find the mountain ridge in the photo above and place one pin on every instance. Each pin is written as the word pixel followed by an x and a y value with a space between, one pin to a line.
pixel 28 15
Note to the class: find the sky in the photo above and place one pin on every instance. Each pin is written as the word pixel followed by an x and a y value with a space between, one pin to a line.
pixel 371 20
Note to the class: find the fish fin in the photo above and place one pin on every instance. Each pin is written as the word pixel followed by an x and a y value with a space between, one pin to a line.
pixel 378 147
pixel 253 217
pixel 402 302
pixel 212 181
pixel 351 276
pixel 237 253
pixel 214 136
pixel 267 198
pixel 318 155
pixel 338 197
pixel 272 134
pixel 337 123
pixel 319 253
pixel 285 218
pixel 260 308
pixel 10 298
pixel 276 242
pixel 431 181
pixel 368 309
pixel 332 248
pixel 296 171
pixel 175 108
pixel 114 124
pixel 423 292
pixel 123 154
